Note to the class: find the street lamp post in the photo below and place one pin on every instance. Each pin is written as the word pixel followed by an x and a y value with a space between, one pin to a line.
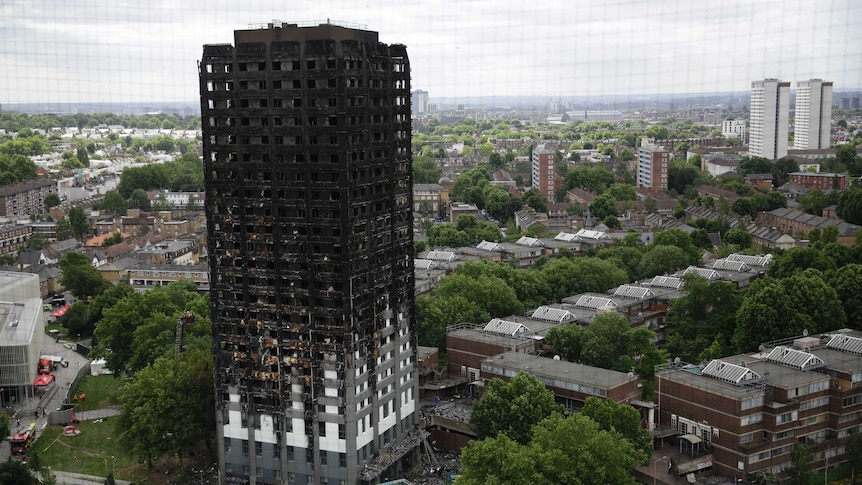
pixel 654 472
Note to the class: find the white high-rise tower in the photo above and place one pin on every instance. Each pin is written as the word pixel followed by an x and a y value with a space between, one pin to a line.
pixel 813 121
pixel 770 108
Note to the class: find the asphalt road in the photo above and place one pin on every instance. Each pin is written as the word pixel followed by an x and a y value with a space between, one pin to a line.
pixel 25 412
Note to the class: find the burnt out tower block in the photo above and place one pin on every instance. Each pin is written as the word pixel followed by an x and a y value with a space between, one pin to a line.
pixel 308 185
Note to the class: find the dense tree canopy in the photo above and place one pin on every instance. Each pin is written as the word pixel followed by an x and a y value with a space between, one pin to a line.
pixel 512 408
pixel 571 450
pixel 847 282
pixel 169 407
pixel 850 206
pixel 568 277
pixel 79 223
pixel 594 179
pixel 183 174
pixel 139 328
pixel 680 239
pixel 435 314
pixel 662 260
pixel 466 231
pixel 80 277
pixel 704 313
pixel 608 342
pixel 425 170
pixel 799 259
pixel 622 419
pixel 778 308
pixel 603 206
pixel 82 317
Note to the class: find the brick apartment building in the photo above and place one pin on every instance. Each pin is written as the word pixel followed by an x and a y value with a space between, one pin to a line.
pixel 653 163
pixel 820 180
pixel 571 383
pixel 745 413
pixel 13 238
pixel 27 197
pixel 544 178
pixel 149 276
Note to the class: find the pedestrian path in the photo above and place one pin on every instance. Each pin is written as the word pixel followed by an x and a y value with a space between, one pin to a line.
pixel 68 478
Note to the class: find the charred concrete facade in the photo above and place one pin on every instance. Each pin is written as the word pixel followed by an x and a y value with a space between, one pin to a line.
pixel 308 173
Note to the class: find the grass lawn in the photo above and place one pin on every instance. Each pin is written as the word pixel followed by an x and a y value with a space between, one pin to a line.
pixel 89 452
pixel 101 391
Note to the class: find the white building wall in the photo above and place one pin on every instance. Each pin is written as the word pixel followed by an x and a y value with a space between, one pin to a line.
pixel 770 113
pixel 813 121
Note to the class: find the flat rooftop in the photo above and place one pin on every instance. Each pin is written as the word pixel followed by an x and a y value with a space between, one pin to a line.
pixel 559 369
pixel 19 321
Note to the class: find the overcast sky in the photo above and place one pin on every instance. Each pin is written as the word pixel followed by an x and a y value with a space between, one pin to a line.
pixel 147 50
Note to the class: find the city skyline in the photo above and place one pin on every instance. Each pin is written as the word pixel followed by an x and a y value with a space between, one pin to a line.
pixel 105 52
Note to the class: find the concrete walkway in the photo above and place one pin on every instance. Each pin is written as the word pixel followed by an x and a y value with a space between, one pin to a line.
pixel 67 478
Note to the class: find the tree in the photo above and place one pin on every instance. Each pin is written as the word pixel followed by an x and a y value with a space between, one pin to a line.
pixel 594 179
pixel 854 451
pixel 657 132
pixel 622 419
pixel 52 200
pixel 79 222
pixel 680 239
pixel 169 407
pixel 568 277
pixel 534 200
pixel 799 472
pixel 64 229
pixel 749 165
pixel 82 156
pixel 682 175
pixel 82 317
pixel 80 277
pixel 700 239
pixel 705 313
pixel 850 206
pixel 682 147
pixel 567 341
pixel 425 170
pixel 624 257
pixel 847 282
pixel 798 259
pixel 115 238
pixel 846 160
pixel 14 472
pixel 650 204
pixel 4 425
pixel 773 309
pixel 571 450
pixel 139 328
pixel 114 203
pixel 36 241
pixel 781 169
pixel 662 260
pixel 512 408
pixel 487 292
pixel 434 315
pixel 603 206
pixel 738 237
pixel 622 192
pixel 608 342
pixel 815 201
